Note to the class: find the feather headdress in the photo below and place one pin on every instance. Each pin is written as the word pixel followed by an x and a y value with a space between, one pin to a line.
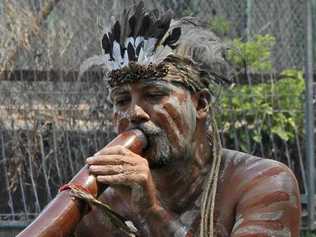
pixel 141 37
pixel 140 45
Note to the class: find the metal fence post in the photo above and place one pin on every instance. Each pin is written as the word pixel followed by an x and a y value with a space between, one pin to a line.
pixel 248 12
pixel 309 116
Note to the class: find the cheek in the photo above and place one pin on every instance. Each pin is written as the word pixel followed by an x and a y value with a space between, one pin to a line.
pixel 173 112
pixel 177 118
pixel 183 113
pixel 121 121
pixel 190 115
pixel 164 119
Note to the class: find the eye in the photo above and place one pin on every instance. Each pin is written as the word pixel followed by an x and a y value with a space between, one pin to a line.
pixel 121 101
pixel 154 95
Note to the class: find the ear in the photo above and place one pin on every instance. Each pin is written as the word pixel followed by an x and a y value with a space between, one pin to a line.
pixel 203 100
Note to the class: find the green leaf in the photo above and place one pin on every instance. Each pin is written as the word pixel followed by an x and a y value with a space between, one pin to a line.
pixel 257 137
pixel 279 131
pixel 275 107
pixel 254 53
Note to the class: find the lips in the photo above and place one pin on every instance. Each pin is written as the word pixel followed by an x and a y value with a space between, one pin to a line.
pixel 157 149
pixel 151 132
pixel 150 135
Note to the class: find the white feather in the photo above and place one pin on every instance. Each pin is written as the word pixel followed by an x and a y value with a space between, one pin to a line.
pixel 149 46
pixel 161 53
pixel 141 56
pixel 117 53
pixel 125 60
pixel 115 65
pixel 96 60
pixel 129 40
pixel 138 40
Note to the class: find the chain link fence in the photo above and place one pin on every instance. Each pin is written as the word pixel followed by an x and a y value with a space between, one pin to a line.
pixel 50 120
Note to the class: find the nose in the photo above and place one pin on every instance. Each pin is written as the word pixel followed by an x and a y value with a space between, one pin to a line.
pixel 138 114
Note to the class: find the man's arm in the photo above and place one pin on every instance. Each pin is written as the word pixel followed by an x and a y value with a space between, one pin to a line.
pixel 269 204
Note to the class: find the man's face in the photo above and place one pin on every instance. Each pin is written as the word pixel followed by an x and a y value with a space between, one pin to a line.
pixel 165 112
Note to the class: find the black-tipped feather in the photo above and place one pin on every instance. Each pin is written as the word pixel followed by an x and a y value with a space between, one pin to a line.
pixel 125 28
pixel 141 26
pixel 116 31
pixel 131 52
pixel 139 13
pixel 106 44
pixel 146 23
pixel 173 37
pixel 162 26
pixel 138 26
pixel 166 19
pixel 139 46
pixel 132 24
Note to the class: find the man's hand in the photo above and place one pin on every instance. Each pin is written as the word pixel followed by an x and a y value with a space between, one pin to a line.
pixel 117 165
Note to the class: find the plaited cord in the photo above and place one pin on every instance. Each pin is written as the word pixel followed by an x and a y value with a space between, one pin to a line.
pixel 209 193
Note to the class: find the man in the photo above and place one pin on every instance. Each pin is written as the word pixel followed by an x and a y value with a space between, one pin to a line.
pixel 162 81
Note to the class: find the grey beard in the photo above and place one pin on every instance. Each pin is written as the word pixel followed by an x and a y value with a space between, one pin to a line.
pixel 160 150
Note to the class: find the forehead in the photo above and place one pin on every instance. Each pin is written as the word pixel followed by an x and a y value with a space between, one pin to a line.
pixel 144 85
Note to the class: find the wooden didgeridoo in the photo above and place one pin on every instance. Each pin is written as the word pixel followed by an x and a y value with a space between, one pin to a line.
pixel 63 213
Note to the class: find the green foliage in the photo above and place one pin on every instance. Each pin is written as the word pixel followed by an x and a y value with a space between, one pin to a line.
pixel 308 234
pixel 264 109
pixel 254 54
pixel 220 25
pixel 251 114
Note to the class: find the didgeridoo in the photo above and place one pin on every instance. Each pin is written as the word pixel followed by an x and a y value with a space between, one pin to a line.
pixel 63 213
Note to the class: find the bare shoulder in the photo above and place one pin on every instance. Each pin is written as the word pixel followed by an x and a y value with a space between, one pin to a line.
pixel 249 171
pixel 267 198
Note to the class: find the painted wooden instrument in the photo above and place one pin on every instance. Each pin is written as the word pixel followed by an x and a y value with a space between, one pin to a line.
pixel 63 213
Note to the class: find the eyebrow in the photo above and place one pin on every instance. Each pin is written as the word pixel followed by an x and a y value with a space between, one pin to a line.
pixel 146 84
pixel 122 89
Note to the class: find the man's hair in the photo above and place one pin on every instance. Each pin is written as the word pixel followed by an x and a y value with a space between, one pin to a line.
pixel 206 51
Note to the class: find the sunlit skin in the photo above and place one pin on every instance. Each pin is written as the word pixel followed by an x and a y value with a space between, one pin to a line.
pixel 161 189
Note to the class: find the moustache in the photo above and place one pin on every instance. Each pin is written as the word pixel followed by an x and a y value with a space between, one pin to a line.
pixel 149 128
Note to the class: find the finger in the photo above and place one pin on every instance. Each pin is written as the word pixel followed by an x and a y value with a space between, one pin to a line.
pixel 106 170
pixel 120 179
pixel 97 160
pixel 114 150
pixel 112 179
pixel 107 160
pixel 115 160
